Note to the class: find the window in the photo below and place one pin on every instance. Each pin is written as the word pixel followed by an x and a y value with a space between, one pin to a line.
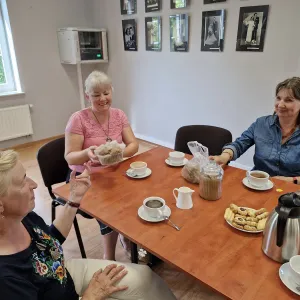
pixel 9 75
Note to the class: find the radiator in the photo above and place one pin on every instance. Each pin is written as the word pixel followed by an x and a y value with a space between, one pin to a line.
pixel 15 122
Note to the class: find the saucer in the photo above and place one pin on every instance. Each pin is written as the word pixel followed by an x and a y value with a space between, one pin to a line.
pixel 143 215
pixel 148 173
pixel 266 187
pixel 168 162
pixel 286 278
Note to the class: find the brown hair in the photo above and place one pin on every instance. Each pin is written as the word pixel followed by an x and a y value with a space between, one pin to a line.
pixel 292 84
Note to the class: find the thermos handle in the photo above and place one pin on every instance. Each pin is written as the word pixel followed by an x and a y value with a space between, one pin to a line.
pixel 284 213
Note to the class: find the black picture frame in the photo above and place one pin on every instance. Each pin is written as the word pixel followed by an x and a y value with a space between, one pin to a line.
pixel 128 7
pixel 153 33
pixel 179 24
pixel 152 5
pixel 213 30
pixel 178 4
pixel 130 35
pixel 213 1
pixel 252 28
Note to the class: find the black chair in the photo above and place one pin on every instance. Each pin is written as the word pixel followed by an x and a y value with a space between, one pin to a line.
pixel 55 169
pixel 214 138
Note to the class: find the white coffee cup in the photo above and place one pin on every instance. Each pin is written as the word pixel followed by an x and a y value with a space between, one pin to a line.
pixel 295 268
pixel 154 211
pixel 258 178
pixel 176 157
pixel 138 168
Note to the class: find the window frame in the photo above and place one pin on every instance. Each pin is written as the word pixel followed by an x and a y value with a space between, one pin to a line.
pixel 12 85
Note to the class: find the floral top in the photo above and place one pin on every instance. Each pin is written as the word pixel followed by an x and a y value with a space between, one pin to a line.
pixel 37 272
pixel 82 122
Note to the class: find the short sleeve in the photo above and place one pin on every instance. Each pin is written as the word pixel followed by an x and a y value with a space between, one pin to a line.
pixel 124 119
pixel 75 124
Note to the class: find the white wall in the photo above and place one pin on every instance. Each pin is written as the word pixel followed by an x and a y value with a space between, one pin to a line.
pixel 162 91
pixel 48 85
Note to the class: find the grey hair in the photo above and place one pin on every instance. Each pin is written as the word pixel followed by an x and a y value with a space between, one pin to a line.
pixel 95 80
pixel 8 160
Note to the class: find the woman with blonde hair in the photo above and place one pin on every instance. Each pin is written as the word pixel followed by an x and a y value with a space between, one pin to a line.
pixel 276 137
pixel 92 127
pixel 32 264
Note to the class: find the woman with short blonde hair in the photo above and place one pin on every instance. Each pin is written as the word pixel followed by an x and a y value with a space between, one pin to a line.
pixel 93 126
pixel 32 264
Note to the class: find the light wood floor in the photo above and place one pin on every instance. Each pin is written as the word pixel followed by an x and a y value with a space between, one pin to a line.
pixel 183 286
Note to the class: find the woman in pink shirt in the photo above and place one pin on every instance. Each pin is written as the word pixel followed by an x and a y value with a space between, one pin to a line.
pixel 93 126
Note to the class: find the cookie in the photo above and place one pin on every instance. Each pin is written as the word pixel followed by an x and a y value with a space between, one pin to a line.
pixel 261 224
pixel 250 228
pixel 260 211
pixel 239 221
pixel 251 213
pixel 229 215
pixel 242 211
pixel 262 216
pixel 251 219
pixel 254 224
pixel 237 225
pixel 239 216
pixel 233 207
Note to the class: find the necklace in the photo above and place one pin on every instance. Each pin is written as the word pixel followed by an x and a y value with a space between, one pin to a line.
pixel 289 133
pixel 108 139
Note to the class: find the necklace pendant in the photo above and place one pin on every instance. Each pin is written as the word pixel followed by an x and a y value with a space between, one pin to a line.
pixel 108 139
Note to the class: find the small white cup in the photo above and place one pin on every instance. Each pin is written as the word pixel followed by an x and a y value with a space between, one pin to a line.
pixel 258 181
pixel 154 212
pixel 295 268
pixel 138 168
pixel 176 157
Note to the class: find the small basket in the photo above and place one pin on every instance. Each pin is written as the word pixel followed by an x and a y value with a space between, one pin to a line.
pixel 107 160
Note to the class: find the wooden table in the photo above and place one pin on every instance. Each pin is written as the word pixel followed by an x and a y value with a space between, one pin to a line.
pixel 229 261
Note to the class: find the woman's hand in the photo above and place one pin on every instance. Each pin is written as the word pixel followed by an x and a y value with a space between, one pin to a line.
pixel 80 184
pixel 222 159
pixel 91 155
pixel 288 179
pixel 103 283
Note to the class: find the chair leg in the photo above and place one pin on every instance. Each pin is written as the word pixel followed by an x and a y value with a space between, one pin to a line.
pixel 134 253
pixel 53 205
pixel 79 239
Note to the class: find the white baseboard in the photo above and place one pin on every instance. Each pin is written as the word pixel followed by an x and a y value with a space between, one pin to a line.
pixel 153 140
pixel 169 145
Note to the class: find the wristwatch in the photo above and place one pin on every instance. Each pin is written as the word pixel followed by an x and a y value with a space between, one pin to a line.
pixel 73 204
pixel 295 180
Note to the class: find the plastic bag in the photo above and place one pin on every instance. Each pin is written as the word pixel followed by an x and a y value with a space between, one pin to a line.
pixel 191 171
pixel 110 153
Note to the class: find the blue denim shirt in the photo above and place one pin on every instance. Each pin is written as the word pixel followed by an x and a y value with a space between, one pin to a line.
pixel 270 155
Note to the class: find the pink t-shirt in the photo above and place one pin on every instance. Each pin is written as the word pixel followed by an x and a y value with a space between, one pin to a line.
pixel 83 123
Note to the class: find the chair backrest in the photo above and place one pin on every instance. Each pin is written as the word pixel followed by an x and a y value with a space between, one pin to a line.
pixel 214 138
pixel 52 163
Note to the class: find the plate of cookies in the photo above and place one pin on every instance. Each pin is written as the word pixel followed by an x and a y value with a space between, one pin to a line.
pixel 246 219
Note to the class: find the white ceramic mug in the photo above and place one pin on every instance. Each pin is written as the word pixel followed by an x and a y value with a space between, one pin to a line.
pixel 154 212
pixel 295 268
pixel 258 181
pixel 138 168
pixel 176 157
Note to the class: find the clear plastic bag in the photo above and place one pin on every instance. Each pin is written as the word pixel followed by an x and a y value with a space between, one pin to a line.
pixel 110 153
pixel 191 171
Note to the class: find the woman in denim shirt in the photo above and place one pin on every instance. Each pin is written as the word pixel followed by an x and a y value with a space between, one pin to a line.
pixel 276 137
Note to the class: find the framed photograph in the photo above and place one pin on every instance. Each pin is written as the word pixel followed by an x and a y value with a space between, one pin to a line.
pixel 153 33
pixel 152 5
pixel 128 7
pixel 213 1
pixel 252 28
pixel 213 28
pixel 178 3
pixel 129 35
pixel 179 33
